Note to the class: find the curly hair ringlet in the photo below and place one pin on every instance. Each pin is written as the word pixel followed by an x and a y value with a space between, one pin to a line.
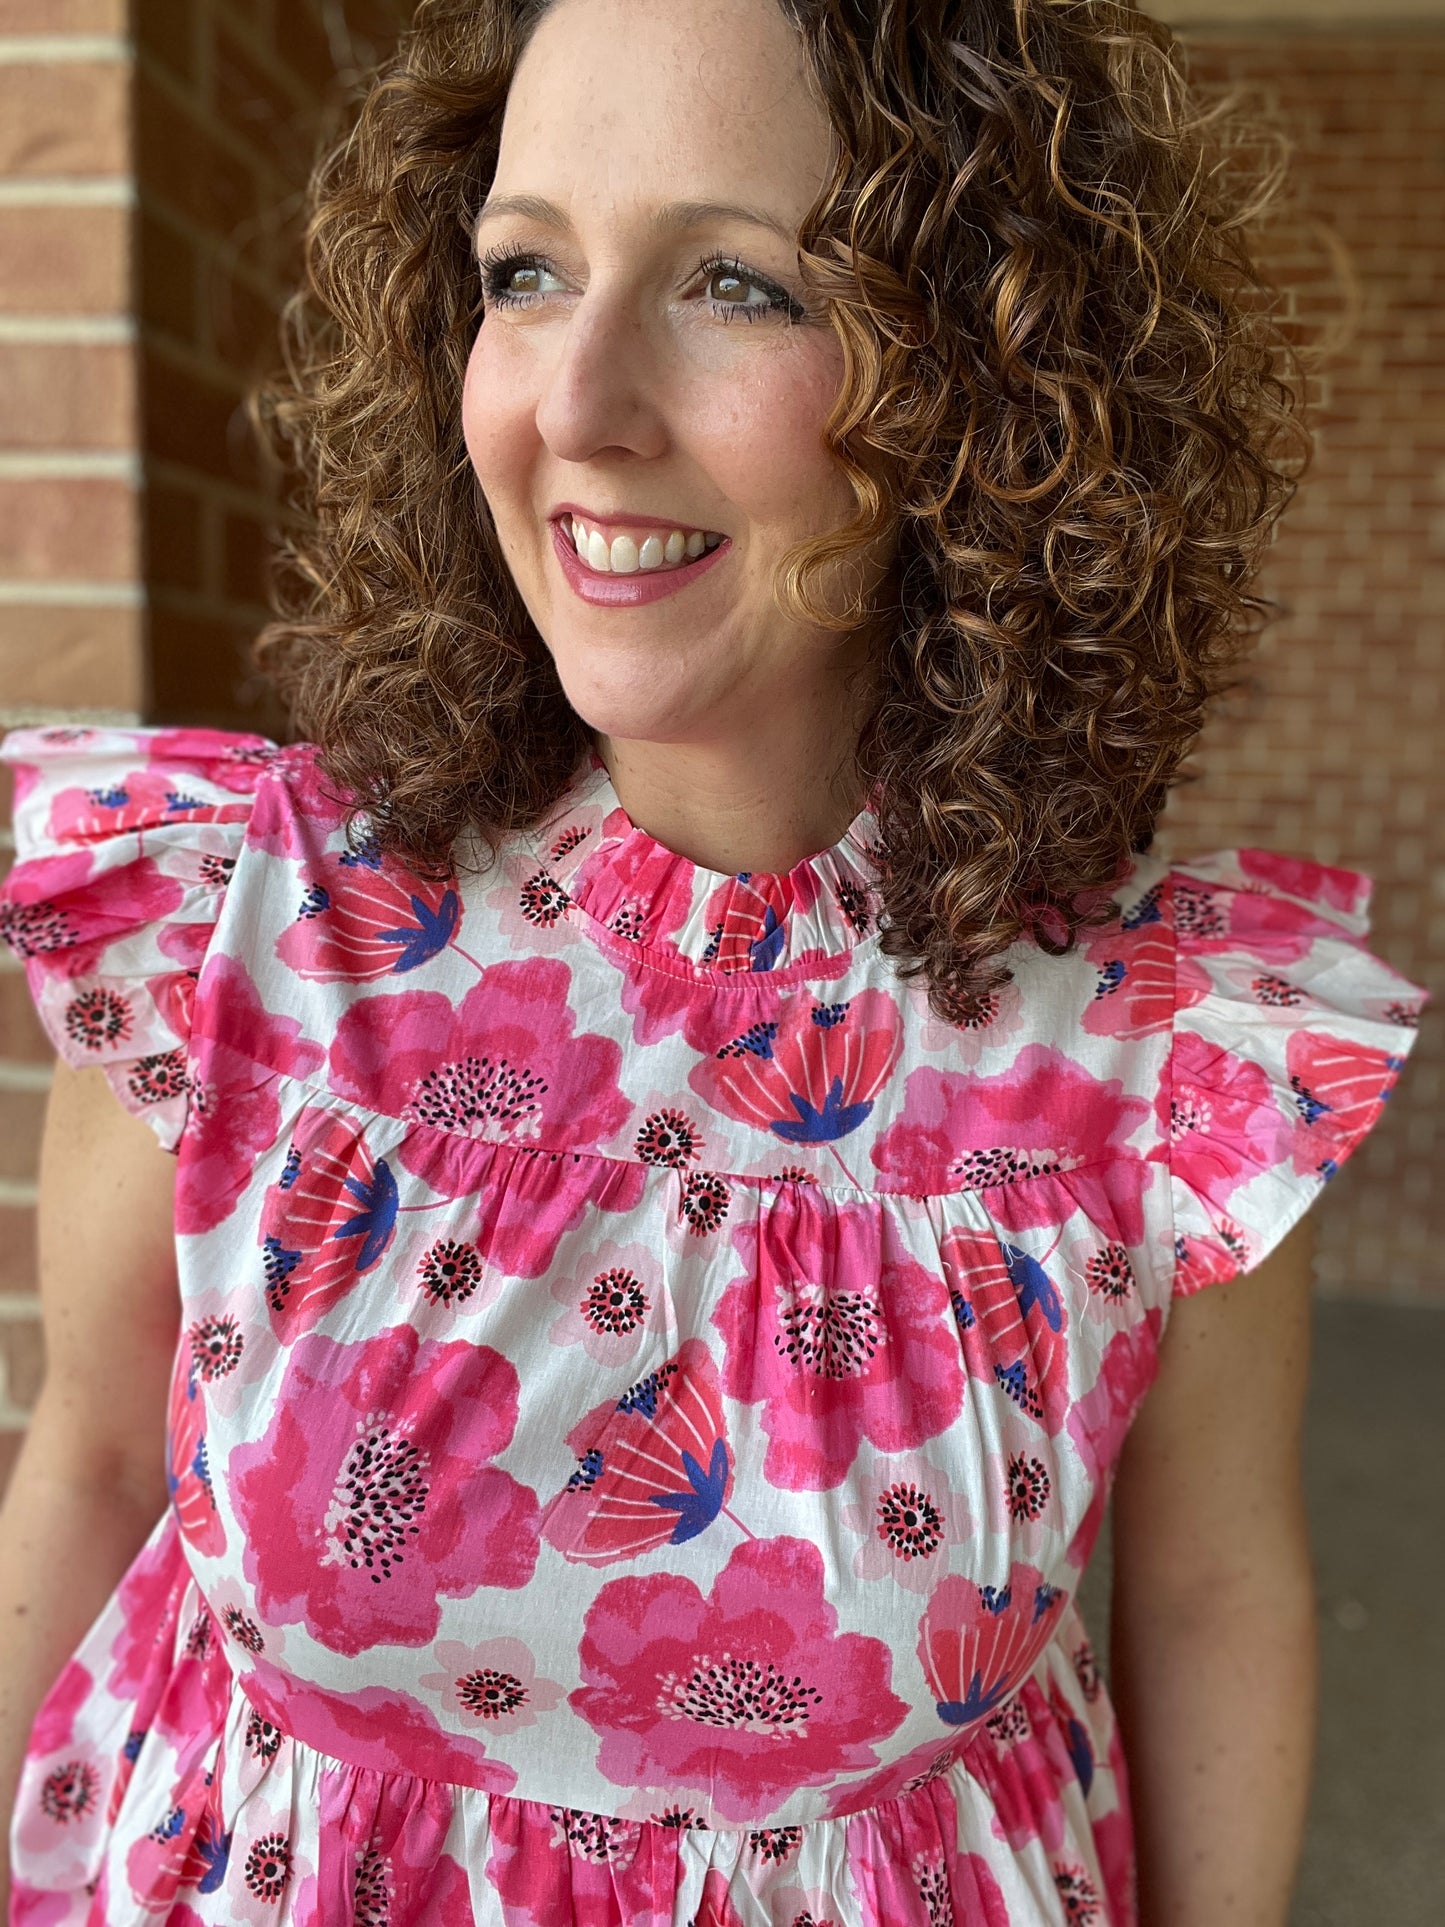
pixel 1065 386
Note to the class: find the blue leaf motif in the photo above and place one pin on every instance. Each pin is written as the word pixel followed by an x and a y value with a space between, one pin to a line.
pixel 430 934
pixel 698 1508
pixel 835 1120
pixel 1034 1287
pixel 377 1218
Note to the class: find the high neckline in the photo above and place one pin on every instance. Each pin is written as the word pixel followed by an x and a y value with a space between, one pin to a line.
pixel 634 887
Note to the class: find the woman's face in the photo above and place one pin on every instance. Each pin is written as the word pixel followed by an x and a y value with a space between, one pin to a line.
pixel 650 368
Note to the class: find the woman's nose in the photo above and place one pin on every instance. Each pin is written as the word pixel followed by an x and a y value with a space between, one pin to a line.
pixel 605 386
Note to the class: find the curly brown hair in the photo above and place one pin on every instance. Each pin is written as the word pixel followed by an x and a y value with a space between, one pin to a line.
pixel 1064 386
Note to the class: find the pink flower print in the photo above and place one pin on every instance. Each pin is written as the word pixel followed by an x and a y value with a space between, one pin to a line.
pixel 379 1729
pixel 997 1017
pixel 1100 1420
pixel 54 1724
pixel 1254 921
pixel 138 801
pixel 188 1468
pixel 746 1694
pixel 716 1908
pixel 1012 1320
pixel 362 916
pixel 978 1644
pixel 1339 1087
pixel 55 904
pixel 385 1835
pixel 1135 989
pixel 326 1221
pixel 1044 1138
pixel 238 1050
pixel 1225 1123
pixel 1210 1261
pixel 370 1495
pixel 503 1066
pixel 1344 890
pixel 907 1870
pixel 909 1518
pixel 230 760
pixel 841 1335
pixel 267 1865
pixel 564 1867
pixel 805 1907
pixel 145 1606
pixel 1022 1482
pixel 653 1467
pixel 220 1330
pixel 811 1074
pixel 1027 1753
pixel 187 1847
pixel 747 917
pixel 494 1686
pixel 613 1296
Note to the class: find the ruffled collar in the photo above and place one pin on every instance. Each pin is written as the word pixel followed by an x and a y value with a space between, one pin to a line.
pixel 590 853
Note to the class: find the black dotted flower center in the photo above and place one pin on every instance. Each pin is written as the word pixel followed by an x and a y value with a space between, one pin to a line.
pixel 1109 1272
pixel 244 1631
pixel 450 1271
pixel 543 900
pixel 490 1695
pixel 69 1792
pixel 216 1346
pixel 909 1523
pixel 1028 1486
pixel 833 1334
pixel 615 1302
pixel 97 1018
pixel 268 1866
pixel 668 1137
pixel 480 1097
pixel 381 1493
pixel 746 1695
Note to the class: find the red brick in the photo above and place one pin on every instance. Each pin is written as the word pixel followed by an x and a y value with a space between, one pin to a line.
pixel 166 29
pixel 173 540
pixel 64 260
pixel 68 529
pixel 182 165
pixel 17 1249
pixel 201 670
pixel 63 16
pixel 22 1360
pixel 67 395
pixel 72 658
pixel 68 118
pixel 194 420
pixel 168 273
pixel 21 1116
pixel 246 555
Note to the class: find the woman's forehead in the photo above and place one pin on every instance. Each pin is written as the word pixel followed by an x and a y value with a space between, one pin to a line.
pixel 691 99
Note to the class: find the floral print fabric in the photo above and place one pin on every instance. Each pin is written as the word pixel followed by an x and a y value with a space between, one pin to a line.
pixel 647 1389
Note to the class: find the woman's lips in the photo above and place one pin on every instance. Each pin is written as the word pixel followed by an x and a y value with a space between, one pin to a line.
pixel 628 591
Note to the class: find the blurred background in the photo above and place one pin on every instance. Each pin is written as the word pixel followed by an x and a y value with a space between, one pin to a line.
pixel 152 157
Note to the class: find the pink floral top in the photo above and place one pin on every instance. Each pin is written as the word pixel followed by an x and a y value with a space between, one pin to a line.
pixel 647 1389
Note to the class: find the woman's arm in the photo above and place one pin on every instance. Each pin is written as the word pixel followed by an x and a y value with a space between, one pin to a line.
pixel 90 1481
pixel 1213 1644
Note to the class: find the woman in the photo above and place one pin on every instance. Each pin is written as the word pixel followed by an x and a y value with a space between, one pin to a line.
pixel 662 1309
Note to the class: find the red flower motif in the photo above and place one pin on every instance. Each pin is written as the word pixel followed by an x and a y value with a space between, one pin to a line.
pixel 1225 1122
pixel 811 1074
pixel 1012 1320
pixel 370 1495
pixel 1339 1087
pixel 906 1865
pixel 746 1695
pixel 1100 1420
pixel 654 1467
pixel 841 1334
pixel 238 1047
pixel 563 1867
pixel 978 1644
pixel 1044 1139
pixel 325 1222
pixel 188 1470
pixel 364 916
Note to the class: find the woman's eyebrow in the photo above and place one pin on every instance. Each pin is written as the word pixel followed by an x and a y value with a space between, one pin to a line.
pixel 672 217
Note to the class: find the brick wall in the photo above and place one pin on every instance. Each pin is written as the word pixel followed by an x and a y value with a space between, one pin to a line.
pixel 71 639
pixel 1335 752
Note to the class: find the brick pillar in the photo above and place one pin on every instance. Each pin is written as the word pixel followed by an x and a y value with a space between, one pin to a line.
pixel 151 165
pixel 71 643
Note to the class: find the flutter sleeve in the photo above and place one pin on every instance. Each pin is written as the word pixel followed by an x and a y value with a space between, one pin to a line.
pixel 1289 1035
pixel 125 840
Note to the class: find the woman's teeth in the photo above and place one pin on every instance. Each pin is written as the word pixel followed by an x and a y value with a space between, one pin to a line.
pixel 623 555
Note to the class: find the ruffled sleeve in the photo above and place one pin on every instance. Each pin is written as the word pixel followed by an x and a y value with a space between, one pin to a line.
pixel 125 840
pixel 1289 1035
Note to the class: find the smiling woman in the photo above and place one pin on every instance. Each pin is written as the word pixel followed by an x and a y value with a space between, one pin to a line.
pixel 777 484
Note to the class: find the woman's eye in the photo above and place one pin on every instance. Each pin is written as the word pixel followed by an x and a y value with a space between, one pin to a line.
pixel 513 280
pixel 726 285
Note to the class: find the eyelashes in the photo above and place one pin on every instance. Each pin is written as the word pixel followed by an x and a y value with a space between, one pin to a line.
pixel 499 264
